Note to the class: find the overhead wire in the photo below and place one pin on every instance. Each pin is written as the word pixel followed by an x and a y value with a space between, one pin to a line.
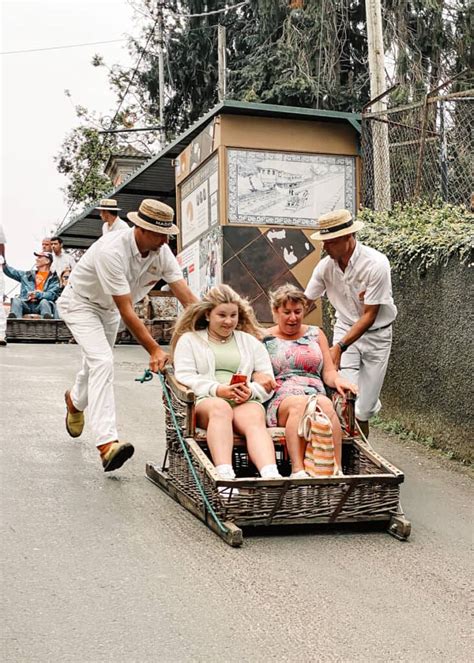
pixel 214 11
pixel 57 48
pixel 143 51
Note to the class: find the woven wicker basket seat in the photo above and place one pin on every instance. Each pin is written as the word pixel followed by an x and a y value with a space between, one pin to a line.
pixel 277 435
pixel 368 491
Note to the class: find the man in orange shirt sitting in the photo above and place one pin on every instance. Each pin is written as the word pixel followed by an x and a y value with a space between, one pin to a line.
pixel 39 288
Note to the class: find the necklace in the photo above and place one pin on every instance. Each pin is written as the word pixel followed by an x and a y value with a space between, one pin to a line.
pixel 218 339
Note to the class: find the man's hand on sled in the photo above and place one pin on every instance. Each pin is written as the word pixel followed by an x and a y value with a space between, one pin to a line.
pixel 158 360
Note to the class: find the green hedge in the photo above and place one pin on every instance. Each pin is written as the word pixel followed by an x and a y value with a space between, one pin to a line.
pixel 426 233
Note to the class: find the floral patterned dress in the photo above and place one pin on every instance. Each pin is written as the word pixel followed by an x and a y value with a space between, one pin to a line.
pixel 297 365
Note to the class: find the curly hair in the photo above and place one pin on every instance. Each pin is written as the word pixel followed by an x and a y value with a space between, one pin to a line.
pixel 287 293
pixel 194 316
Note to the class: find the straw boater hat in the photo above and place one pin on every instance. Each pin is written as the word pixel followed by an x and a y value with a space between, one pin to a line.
pixel 156 216
pixel 108 205
pixel 336 224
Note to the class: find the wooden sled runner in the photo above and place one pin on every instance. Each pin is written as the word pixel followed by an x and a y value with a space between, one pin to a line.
pixel 369 491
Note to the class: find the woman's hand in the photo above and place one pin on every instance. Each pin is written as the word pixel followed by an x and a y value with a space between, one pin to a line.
pixel 239 393
pixel 342 385
pixel 264 380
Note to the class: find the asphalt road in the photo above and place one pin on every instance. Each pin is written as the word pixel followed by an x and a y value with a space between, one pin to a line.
pixel 107 568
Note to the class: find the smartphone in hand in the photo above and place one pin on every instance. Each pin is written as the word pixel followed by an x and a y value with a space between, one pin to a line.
pixel 238 378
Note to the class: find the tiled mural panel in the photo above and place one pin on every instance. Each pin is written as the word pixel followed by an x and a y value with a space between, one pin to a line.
pixel 259 260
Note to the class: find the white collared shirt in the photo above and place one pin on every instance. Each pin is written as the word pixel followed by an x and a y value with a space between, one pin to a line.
pixel 366 280
pixel 3 240
pixel 118 224
pixel 114 266
pixel 62 262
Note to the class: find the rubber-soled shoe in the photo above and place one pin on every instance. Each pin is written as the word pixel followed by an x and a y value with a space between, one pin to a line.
pixel 116 455
pixel 301 474
pixel 3 341
pixel 74 420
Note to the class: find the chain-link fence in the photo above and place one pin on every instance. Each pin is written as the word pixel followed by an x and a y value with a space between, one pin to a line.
pixel 421 150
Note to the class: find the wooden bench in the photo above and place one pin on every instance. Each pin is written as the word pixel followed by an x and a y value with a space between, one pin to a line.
pixel 34 329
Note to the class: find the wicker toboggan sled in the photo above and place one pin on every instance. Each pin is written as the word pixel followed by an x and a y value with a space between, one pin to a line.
pixel 369 490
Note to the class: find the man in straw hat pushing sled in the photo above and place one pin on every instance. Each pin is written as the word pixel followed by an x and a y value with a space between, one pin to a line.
pixel 357 282
pixel 115 273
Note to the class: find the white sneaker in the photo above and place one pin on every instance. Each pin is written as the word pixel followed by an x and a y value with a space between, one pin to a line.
pixel 301 474
pixel 226 472
pixel 270 472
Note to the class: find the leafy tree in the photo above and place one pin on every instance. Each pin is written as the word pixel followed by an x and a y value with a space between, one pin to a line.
pixel 310 53
pixel 82 159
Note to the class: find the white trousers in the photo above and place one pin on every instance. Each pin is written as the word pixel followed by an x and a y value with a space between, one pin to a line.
pixel 365 363
pixel 94 330
pixel 3 317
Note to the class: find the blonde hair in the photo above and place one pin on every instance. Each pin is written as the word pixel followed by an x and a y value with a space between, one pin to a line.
pixel 287 293
pixel 194 316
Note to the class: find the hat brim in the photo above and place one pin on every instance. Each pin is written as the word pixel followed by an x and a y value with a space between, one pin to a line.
pixel 110 209
pixel 170 230
pixel 355 227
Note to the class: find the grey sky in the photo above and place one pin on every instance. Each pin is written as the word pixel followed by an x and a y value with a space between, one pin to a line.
pixel 35 112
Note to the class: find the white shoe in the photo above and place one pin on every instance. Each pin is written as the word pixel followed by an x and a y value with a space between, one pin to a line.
pixel 301 474
pixel 226 472
pixel 270 472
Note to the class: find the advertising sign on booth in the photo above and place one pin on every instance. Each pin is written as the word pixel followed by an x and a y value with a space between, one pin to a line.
pixel 199 202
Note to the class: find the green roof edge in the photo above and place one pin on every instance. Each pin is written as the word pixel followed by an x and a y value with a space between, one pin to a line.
pixel 352 118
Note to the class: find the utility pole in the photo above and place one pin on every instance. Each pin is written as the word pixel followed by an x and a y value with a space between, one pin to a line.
pixel 221 59
pixel 380 142
pixel 161 73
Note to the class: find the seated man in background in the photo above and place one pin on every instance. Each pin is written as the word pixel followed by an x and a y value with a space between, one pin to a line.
pixel 61 259
pixel 46 245
pixel 39 288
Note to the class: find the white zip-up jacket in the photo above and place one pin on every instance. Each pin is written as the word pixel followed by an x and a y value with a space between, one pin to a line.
pixel 195 366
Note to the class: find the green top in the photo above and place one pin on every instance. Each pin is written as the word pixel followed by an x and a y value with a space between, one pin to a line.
pixel 227 356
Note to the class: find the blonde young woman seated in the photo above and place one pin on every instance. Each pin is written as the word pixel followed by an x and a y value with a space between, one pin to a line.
pixel 213 339
pixel 301 364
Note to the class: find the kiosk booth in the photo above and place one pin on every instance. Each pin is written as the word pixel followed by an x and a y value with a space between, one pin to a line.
pixel 249 189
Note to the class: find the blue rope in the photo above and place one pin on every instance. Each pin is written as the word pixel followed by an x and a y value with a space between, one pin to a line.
pixel 146 377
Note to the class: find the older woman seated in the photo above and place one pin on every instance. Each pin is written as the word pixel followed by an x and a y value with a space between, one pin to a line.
pixel 214 340
pixel 301 363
